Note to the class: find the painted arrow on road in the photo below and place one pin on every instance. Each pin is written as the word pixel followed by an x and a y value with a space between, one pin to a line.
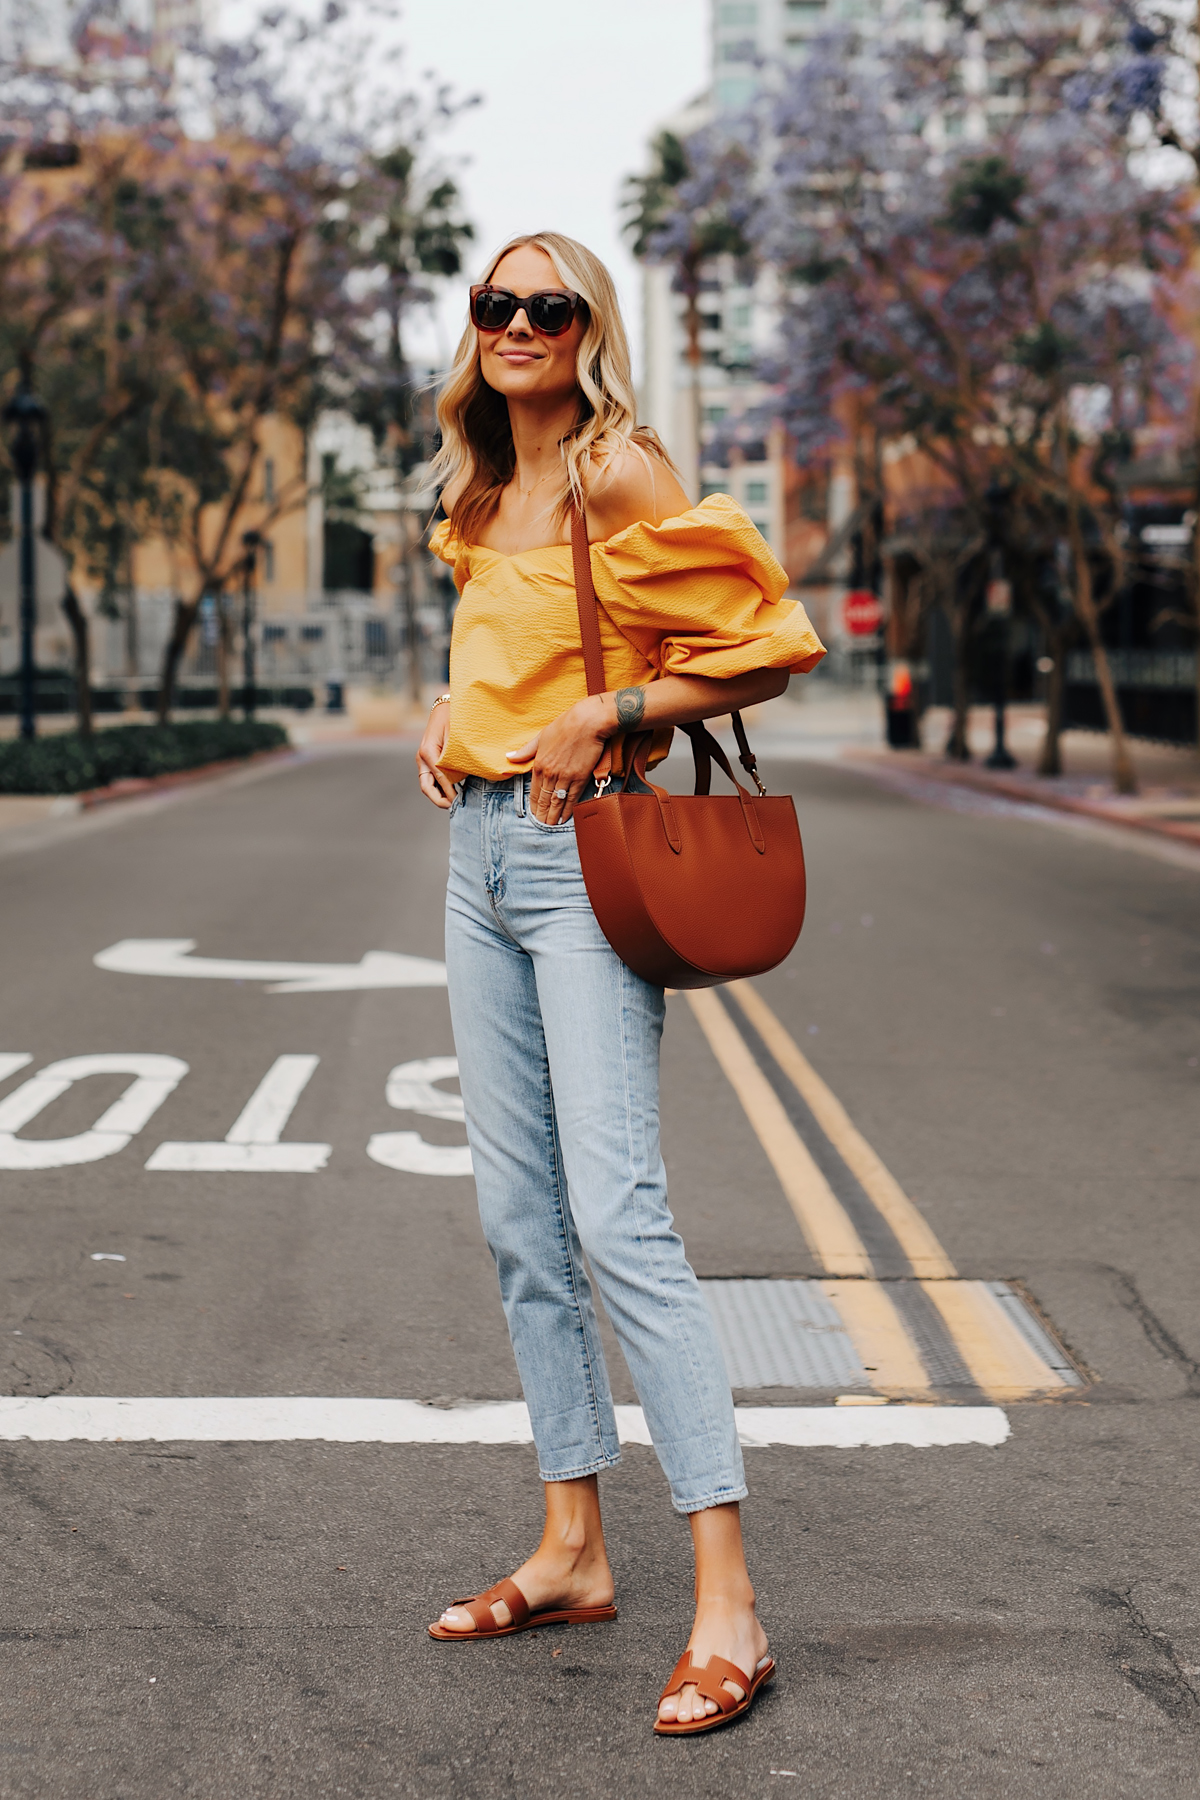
pixel 172 956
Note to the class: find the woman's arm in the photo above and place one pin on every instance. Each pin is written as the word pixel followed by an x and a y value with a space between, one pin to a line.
pixel 567 750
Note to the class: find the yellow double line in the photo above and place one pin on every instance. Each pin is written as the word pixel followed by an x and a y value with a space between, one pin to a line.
pixel 999 1359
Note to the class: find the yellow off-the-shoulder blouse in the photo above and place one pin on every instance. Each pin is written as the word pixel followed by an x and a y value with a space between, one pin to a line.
pixel 700 594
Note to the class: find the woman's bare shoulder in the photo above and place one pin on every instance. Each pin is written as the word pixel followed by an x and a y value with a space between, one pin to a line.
pixel 630 487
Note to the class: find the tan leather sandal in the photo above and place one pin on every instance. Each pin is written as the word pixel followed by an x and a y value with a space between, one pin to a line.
pixel 707 1683
pixel 523 1619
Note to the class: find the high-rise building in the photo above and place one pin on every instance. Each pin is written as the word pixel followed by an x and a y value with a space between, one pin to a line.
pixel 745 33
pixel 697 408
pixel 693 407
pixel 127 36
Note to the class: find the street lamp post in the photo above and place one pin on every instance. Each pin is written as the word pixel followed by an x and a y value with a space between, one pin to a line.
pixel 250 542
pixel 26 414
pixel 999 606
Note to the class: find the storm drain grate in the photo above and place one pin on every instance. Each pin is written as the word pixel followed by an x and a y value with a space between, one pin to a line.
pixel 782 1334
pixel 1035 1334
pixel 792 1333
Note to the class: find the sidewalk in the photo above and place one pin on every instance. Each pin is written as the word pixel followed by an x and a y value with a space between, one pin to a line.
pixel 847 725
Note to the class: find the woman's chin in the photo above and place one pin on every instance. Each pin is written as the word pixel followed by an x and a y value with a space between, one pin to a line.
pixel 526 382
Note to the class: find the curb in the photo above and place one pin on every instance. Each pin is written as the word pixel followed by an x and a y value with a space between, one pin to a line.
pixel 131 786
pixel 1056 802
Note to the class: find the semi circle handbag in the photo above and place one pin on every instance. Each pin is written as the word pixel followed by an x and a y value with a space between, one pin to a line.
pixel 690 890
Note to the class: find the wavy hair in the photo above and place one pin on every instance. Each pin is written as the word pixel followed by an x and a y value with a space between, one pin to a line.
pixel 476 434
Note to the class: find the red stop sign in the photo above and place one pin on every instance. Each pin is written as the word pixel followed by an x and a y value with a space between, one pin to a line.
pixel 862 612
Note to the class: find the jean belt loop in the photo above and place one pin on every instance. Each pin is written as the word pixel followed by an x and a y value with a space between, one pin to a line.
pixel 519 794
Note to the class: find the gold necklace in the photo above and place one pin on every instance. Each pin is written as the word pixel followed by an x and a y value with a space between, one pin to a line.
pixel 525 492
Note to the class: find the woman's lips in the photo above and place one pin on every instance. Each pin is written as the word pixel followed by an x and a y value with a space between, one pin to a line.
pixel 518 356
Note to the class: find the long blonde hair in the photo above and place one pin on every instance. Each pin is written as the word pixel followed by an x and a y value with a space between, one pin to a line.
pixel 476 434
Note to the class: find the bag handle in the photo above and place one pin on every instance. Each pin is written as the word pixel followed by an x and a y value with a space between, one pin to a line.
pixel 587 603
pixel 588 606
pixel 705 746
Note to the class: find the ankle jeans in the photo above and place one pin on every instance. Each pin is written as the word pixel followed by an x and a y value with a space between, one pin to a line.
pixel 558 1046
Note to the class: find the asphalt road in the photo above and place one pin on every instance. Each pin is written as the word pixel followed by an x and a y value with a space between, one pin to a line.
pixel 1009 1011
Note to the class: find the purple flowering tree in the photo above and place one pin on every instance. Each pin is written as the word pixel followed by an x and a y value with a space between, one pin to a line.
pixel 972 303
pixel 691 207
pixel 1148 87
pixel 239 236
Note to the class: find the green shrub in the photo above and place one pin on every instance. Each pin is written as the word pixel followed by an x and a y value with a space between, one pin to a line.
pixel 65 763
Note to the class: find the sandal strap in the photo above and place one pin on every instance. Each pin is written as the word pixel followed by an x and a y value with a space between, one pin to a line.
pixel 684 1674
pixel 707 1681
pixel 480 1609
pixel 513 1598
pixel 480 1606
pixel 720 1670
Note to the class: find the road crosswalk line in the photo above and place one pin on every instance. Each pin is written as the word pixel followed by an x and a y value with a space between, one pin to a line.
pixel 251 1418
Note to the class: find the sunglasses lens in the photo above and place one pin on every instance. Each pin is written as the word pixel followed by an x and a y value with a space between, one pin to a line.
pixel 550 313
pixel 492 309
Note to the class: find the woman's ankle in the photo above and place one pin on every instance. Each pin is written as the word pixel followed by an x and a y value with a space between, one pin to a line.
pixel 728 1596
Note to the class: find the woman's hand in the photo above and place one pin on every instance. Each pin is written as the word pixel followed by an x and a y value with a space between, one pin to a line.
pixel 434 785
pixel 565 753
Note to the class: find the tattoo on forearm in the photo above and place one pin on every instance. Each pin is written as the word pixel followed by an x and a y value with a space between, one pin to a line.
pixel 631 705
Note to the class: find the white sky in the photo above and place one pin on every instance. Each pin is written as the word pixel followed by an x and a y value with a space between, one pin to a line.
pixel 572 90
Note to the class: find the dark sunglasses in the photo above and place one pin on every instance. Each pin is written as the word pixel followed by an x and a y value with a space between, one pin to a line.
pixel 550 311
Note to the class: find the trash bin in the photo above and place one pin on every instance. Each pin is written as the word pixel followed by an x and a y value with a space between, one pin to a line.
pixel 900 702
pixel 901 724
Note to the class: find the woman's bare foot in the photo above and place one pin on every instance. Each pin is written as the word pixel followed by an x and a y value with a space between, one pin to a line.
pixel 722 1628
pixel 726 1624
pixel 569 1566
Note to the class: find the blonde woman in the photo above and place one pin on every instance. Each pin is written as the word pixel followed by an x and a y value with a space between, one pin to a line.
pixel 557 1039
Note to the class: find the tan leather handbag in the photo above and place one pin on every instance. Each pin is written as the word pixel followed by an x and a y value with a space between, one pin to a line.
pixel 690 890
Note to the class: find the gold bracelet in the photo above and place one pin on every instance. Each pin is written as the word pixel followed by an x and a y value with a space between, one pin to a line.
pixel 442 700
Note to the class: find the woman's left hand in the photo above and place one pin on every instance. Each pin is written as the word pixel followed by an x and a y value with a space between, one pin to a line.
pixel 564 756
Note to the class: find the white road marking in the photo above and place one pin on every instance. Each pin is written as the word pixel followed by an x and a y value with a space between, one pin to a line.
pixel 156 1077
pixel 252 1144
pixel 412 1154
pixel 410 1088
pixel 170 956
pixel 293 1417
pixel 11 1061
pixel 271 1105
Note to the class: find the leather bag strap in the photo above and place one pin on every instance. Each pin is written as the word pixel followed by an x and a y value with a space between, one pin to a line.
pixel 746 755
pixel 587 603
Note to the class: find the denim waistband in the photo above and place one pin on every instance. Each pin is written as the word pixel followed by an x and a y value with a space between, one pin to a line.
pixel 481 782
pixel 516 785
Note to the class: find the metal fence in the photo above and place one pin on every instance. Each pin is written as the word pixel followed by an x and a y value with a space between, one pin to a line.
pixel 345 639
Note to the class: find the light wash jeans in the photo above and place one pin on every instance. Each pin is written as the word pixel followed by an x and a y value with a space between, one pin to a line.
pixel 558 1047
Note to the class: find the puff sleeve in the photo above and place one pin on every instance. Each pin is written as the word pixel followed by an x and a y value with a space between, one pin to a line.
pixel 449 549
pixel 702 594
